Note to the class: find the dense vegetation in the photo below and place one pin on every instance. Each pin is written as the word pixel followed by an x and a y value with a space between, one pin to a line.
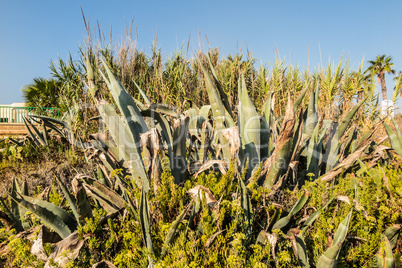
pixel 206 162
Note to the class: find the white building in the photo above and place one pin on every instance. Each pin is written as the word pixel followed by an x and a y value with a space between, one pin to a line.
pixel 13 113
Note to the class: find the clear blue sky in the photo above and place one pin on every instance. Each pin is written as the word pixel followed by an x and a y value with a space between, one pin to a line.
pixel 34 32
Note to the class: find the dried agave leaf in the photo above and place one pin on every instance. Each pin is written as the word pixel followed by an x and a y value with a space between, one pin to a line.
pixel 210 198
pixel 210 163
pixel 66 250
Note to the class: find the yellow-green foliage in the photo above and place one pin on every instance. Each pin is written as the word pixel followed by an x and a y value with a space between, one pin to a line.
pixel 219 237
pixel 20 255
pixel 375 209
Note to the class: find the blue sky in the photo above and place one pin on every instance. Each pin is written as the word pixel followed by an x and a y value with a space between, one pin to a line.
pixel 304 32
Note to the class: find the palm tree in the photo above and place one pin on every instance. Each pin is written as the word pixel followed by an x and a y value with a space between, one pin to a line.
pixel 381 65
pixel 42 93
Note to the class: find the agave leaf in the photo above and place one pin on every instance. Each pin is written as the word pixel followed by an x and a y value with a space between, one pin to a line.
pixel 314 216
pixel 384 256
pixel 348 118
pixel 178 164
pixel 249 128
pixel 222 93
pixel 151 145
pixel 51 215
pixel 45 134
pixel 127 146
pixel 170 235
pixel 132 204
pixel 344 165
pixel 196 209
pixel 24 189
pixel 66 250
pixel 102 178
pixel 205 141
pixel 17 210
pixel 330 257
pixel 131 114
pixel 37 132
pixel 398 131
pixel 195 192
pixel 266 130
pixel 333 143
pixel 245 204
pixel 301 253
pixel 34 138
pixel 84 209
pixel 144 96
pixel 145 222
pixel 16 222
pixel 70 199
pixel 104 195
pixel 204 111
pixel 217 107
pixel 210 163
pixel 160 108
pixel 48 119
pixel 301 97
pixel 283 222
pixel 313 153
pixel 392 233
pixel 312 115
pixel 192 113
pixel 218 112
pixel 348 144
pixel 396 143
pixel 164 128
pixel 276 165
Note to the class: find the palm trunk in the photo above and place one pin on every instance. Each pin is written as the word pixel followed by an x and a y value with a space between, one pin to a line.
pixel 381 80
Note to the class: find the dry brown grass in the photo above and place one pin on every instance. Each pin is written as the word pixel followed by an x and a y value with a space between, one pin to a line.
pixel 41 173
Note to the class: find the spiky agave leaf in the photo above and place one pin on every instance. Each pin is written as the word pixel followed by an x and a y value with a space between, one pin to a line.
pixel 276 165
pixel 219 113
pixel 301 251
pixel 170 235
pixel 246 205
pixel 249 128
pixel 266 130
pixel 128 147
pixel 70 199
pixel 312 115
pixel 84 209
pixel 164 127
pixel 11 218
pixel 178 163
pixel 109 199
pixel 394 138
pixel 392 233
pixel 131 114
pixel 126 131
pixel 333 144
pixel 146 224
pixel 384 256
pixel 222 93
pixel 300 98
pixel 51 215
pixel 283 222
pixel 144 96
pixel 314 216
pixel 330 257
